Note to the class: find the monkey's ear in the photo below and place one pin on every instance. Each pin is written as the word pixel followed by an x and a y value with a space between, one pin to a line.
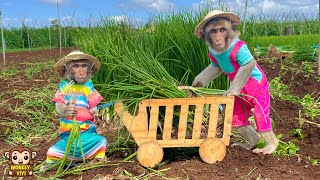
pixel 7 154
pixel 34 154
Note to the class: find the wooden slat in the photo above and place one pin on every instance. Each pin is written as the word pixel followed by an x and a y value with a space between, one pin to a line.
pixel 227 123
pixel 196 130
pixel 183 121
pixel 188 101
pixel 153 125
pixel 180 143
pixel 138 125
pixel 213 120
pixel 168 123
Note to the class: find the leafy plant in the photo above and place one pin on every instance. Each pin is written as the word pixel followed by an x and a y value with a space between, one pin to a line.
pixel 7 72
pixel 280 90
pixel 314 162
pixel 37 109
pixel 261 143
pixel 297 132
pixel 310 106
pixel 307 69
pixel 286 148
pixel 34 68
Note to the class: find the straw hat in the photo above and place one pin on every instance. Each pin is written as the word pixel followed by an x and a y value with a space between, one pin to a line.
pixel 76 55
pixel 235 20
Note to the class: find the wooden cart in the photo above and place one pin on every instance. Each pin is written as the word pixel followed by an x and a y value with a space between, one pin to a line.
pixel 143 127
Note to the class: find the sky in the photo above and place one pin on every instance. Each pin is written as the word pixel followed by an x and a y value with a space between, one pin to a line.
pixel 38 13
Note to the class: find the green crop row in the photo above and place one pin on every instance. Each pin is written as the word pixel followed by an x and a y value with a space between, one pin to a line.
pixel 255 26
pixel 28 37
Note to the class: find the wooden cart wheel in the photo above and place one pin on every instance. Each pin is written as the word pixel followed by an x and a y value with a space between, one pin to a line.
pixel 212 150
pixel 150 154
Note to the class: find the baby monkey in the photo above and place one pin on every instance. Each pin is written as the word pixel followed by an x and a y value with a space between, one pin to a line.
pixel 230 55
pixel 76 99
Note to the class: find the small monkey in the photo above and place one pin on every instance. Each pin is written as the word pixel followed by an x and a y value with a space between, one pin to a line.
pixel 20 156
pixel 230 55
pixel 77 97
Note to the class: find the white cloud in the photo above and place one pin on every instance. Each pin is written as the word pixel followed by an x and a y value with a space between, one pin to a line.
pixel 283 7
pixel 265 8
pixel 27 20
pixel 158 5
pixel 17 22
pixel 65 21
pixel 66 18
pixel 267 5
pixel 8 21
pixel 54 2
pixel 50 19
pixel 118 18
pixel 204 3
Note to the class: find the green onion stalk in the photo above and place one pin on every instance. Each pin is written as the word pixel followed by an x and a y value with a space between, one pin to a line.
pixel 73 137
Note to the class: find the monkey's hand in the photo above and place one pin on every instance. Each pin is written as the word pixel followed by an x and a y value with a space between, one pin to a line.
pixel 194 84
pixel 231 92
pixel 66 110
pixel 204 78
pixel 94 111
pixel 71 110
pixel 241 78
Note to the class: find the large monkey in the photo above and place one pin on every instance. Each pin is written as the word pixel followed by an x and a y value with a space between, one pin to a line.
pixel 77 97
pixel 230 55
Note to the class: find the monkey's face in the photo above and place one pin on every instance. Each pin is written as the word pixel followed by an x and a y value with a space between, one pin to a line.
pixel 80 70
pixel 218 33
pixel 216 36
pixel 20 158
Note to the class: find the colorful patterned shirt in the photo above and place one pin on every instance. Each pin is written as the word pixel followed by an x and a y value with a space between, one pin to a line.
pixel 85 97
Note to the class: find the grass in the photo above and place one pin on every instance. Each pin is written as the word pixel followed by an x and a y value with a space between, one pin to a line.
pixel 302 47
pixel 278 89
pixel 286 148
pixel 27 49
pixel 310 104
pixel 285 43
pixel 35 68
pixel 139 64
pixel 8 72
pixel 38 112
pixel 37 108
pixel 136 65
pixel 262 25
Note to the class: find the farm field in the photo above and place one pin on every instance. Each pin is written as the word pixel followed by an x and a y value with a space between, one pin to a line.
pixel 28 84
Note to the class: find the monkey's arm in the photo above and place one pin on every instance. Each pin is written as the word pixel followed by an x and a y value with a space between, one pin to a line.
pixel 207 75
pixel 65 111
pixel 94 99
pixel 241 78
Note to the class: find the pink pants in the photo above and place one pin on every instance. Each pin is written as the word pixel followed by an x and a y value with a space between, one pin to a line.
pixel 256 96
pixel 257 99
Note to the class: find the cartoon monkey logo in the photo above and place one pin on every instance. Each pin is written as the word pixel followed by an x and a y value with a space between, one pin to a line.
pixel 20 161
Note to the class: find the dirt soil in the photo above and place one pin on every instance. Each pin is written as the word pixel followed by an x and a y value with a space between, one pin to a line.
pixel 238 163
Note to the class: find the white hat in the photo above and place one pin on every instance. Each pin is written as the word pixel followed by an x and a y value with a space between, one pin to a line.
pixel 73 56
pixel 235 20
